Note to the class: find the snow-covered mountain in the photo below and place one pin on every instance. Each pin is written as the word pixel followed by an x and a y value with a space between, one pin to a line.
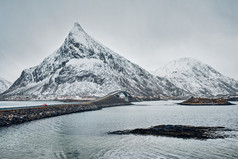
pixel 4 85
pixel 198 78
pixel 84 67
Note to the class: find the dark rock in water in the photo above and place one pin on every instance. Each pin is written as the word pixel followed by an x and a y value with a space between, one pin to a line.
pixel 179 131
pixel 205 101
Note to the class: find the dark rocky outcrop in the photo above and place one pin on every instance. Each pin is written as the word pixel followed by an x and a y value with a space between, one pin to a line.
pixel 205 101
pixel 179 131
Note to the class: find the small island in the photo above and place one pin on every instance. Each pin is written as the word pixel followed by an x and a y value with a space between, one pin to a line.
pixel 205 101
pixel 178 131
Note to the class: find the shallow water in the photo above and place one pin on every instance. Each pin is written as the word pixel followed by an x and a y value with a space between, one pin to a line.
pixel 84 135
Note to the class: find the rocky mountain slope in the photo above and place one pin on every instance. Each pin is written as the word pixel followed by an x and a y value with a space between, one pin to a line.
pixel 4 85
pixel 198 78
pixel 84 67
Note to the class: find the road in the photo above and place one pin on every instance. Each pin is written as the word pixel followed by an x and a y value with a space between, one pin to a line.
pixel 63 103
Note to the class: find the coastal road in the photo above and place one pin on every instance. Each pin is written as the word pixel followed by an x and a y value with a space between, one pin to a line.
pixel 31 105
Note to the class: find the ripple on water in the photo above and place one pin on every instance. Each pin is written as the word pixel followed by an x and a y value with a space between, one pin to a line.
pixel 84 135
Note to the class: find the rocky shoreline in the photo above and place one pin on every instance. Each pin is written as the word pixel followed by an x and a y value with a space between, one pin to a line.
pixel 178 131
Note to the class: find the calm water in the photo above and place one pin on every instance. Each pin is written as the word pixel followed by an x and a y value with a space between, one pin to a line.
pixel 84 135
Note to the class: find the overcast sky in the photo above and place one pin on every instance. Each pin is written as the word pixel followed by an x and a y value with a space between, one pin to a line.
pixel 149 33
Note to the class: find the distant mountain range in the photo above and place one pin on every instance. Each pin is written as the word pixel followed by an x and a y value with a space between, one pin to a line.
pixel 4 85
pixel 197 78
pixel 84 67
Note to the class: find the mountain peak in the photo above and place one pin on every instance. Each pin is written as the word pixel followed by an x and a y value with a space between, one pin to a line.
pixel 77 36
pixel 188 60
pixel 81 67
pixel 182 65
pixel 80 42
pixel 197 77
pixel 76 28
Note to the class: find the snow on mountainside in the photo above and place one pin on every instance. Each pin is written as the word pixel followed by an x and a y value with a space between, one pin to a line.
pixel 4 85
pixel 198 78
pixel 84 67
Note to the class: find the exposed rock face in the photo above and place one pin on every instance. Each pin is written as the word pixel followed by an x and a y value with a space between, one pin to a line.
pixel 198 78
pixel 4 85
pixel 179 131
pixel 84 67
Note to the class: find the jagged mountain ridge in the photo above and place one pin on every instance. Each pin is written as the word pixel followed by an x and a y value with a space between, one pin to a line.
pixel 4 85
pixel 84 67
pixel 198 78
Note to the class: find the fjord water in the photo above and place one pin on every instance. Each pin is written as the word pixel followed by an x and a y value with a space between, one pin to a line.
pixel 84 135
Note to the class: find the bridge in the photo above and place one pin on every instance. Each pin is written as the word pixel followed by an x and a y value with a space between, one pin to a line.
pixel 119 94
